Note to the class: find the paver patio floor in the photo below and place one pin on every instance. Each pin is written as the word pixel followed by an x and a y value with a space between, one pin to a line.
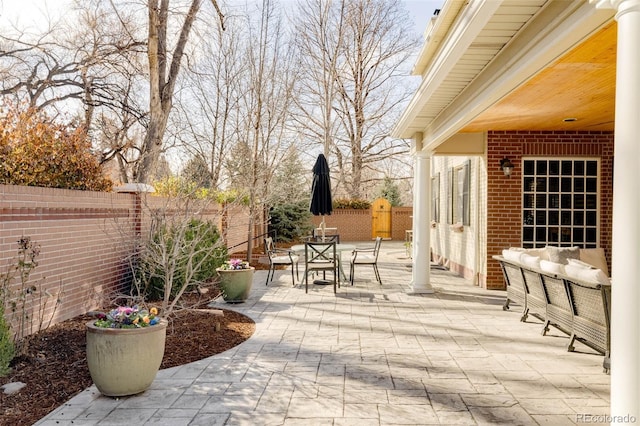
pixel 371 355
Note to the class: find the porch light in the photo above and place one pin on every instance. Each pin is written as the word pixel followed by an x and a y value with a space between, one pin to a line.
pixel 506 166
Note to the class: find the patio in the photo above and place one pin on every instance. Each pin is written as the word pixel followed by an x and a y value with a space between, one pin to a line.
pixel 371 355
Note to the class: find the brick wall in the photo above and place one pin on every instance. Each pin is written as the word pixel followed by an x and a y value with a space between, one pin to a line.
pixel 504 202
pixel 355 224
pixel 352 224
pixel 401 221
pixel 85 239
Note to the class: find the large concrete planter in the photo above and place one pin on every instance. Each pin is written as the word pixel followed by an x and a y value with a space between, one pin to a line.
pixel 235 284
pixel 125 361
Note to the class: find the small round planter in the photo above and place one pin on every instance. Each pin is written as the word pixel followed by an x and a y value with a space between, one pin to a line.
pixel 125 361
pixel 235 284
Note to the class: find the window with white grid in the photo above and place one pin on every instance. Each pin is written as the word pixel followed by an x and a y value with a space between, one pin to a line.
pixel 560 202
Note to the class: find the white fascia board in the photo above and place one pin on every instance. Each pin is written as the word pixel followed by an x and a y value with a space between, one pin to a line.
pixel 465 30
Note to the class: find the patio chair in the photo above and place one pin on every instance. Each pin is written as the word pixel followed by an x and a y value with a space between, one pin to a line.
pixel 278 257
pixel 321 256
pixel 330 236
pixel 366 256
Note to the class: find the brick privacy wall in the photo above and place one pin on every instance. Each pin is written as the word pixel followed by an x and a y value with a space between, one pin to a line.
pixel 85 239
pixel 352 224
pixel 401 221
pixel 232 220
pixel 355 224
pixel 504 194
pixel 234 223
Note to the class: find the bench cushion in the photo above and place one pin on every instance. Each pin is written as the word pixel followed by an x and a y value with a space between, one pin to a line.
pixel 592 275
pixel 551 267
pixel 530 261
pixel 512 255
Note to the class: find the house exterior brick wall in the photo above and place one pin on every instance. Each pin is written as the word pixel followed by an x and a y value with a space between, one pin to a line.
pixel 86 238
pixel 504 194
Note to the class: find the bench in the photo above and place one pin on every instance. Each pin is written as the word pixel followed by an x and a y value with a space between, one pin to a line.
pixel 574 299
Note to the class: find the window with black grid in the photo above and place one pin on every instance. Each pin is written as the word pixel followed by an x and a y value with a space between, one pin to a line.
pixel 560 202
pixel 435 198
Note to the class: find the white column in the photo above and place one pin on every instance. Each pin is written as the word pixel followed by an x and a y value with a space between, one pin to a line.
pixel 625 268
pixel 420 282
pixel 625 327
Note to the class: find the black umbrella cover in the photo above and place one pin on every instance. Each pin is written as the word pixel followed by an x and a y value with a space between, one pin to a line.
pixel 321 188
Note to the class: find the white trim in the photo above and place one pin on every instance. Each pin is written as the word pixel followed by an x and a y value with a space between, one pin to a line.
pixel 559 27
pixel 542 42
pixel 465 29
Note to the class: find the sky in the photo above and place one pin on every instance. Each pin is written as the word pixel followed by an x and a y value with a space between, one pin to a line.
pixel 422 11
pixel 29 12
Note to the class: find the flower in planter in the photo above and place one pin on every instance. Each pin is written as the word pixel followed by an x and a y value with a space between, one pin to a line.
pixel 235 264
pixel 128 317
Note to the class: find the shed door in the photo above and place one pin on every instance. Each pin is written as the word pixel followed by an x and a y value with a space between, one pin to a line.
pixel 381 218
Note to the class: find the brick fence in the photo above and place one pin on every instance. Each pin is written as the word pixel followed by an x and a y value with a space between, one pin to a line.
pixel 86 239
pixel 355 224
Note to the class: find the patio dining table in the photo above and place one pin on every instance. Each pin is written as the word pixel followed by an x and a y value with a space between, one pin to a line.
pixel 340 247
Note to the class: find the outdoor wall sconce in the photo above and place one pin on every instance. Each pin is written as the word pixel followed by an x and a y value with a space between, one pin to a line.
pixel 506 166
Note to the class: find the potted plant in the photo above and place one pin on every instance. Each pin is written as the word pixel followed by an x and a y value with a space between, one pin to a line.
pixel 124 349
pixel 236 278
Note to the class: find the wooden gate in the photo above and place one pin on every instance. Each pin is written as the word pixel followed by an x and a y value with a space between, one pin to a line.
pixel 381 219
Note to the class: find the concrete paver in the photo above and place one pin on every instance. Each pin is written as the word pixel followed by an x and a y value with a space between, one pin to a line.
pixel 370 355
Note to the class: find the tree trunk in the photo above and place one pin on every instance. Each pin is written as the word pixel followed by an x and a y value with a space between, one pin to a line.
pixel 163 80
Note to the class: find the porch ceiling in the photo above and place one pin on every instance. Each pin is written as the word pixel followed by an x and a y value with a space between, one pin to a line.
pixel 580 85
pixel 515 65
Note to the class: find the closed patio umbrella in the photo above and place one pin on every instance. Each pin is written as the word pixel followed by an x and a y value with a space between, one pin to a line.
pixel 321 203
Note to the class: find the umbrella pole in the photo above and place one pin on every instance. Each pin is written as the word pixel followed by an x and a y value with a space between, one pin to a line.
pixel 323 281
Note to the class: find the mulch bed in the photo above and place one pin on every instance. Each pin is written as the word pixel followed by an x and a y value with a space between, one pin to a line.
pixel 54 365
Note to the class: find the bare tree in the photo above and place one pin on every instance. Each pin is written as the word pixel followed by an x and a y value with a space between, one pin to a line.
pixel 164 67
pixel 206 119
pixel 90 66
pixel 369 42
pixel 265 107
pixel 377 44
pixel 319 37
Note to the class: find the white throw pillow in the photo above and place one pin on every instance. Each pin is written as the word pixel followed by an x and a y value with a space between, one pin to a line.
pixel 530 261
pixel 562 254
pixel 539 252
pixel 551 267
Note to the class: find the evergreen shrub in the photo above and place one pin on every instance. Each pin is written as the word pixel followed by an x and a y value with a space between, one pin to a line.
pixel 290 221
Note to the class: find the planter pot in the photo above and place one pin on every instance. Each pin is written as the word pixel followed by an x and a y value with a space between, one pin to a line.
pixel 235 284
pixel 125 361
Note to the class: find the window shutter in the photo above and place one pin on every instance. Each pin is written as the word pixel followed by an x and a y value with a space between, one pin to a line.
pixel 450 198
pixel 466 197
